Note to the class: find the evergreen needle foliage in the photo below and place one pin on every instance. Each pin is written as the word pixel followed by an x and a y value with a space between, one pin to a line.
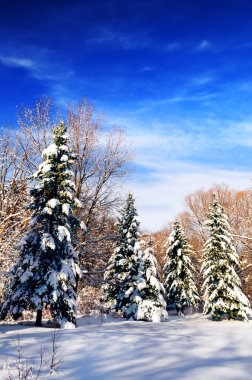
pixel 122 264
pixel 223 295
pixel 181 291
pixel 47 271
pixel 146 294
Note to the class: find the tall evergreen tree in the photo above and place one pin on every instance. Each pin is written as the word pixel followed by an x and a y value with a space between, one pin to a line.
pixel 223 295
pixel 181 291
pixel 47 271
pixel 146 293
pixel 122 264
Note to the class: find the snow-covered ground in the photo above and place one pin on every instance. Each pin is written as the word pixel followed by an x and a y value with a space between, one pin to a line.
pixel 189 347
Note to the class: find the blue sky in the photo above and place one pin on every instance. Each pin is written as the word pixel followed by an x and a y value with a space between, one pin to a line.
pixel 177 75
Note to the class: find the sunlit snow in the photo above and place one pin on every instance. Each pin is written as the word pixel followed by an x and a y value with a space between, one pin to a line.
pixel 184 348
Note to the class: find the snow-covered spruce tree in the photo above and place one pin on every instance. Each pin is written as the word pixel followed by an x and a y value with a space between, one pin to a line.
pixel 223 295
pixel 181 291
pixel 146 293
pixel 122 265
pixel 47 271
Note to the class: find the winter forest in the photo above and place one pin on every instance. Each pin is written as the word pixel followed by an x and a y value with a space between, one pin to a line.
pixel 71 242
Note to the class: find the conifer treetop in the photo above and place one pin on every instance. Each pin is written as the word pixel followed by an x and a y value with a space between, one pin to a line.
pixel 53 194
pixel 128 222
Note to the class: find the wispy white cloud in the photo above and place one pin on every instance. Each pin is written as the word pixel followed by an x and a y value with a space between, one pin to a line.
pixel 175 159
pixel 202 80
pixel 165 142
pixel 237 134
pixel 173 46
pixel 189 138
pixel 13 61
pixel 204 45
pixel 40 64
pixel 244 86
pixel 160 196
pixel 114 38
pixel 146 69
pixel 148 105
pixel 191 98
pixel 245 45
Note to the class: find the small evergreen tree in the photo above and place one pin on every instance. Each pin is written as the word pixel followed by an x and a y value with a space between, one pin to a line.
pixel 47 270
pixel 223 294
pixel 122 264
pixel 181 291
pixel 146 293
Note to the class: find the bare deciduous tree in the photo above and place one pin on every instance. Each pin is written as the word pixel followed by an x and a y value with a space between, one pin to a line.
pixel 13 200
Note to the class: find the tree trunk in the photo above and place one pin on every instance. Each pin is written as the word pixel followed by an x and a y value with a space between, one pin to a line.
pixel 39 318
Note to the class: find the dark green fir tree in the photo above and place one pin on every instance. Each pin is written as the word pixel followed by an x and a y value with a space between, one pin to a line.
pixel 122 266
pixel 146 293
pixel 47 271
pixel 181 291
pixel 223 295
